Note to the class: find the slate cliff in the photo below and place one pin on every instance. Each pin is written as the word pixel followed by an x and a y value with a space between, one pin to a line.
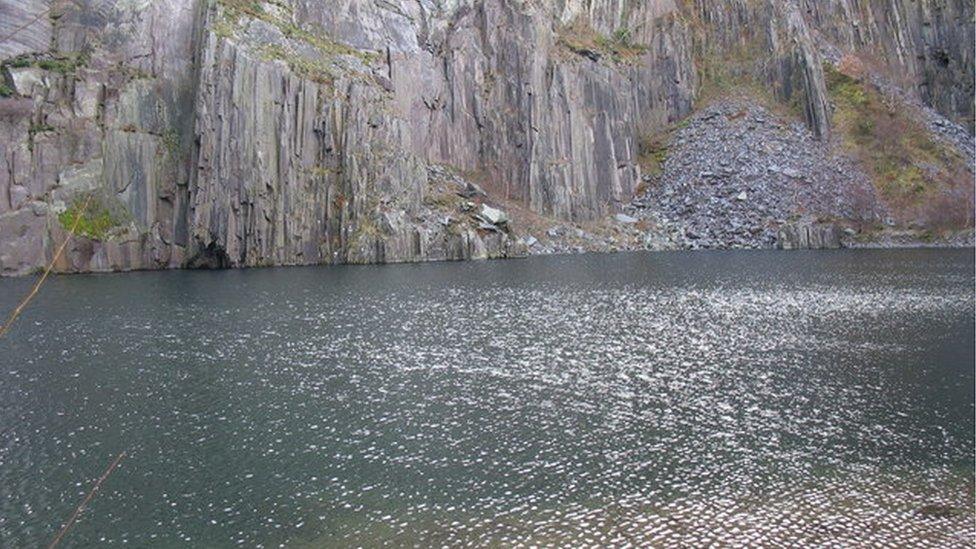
pixel 227 133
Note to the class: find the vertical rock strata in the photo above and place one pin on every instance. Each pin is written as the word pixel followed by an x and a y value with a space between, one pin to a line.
pixel 103 107
pixel 230 133
pixel 924 45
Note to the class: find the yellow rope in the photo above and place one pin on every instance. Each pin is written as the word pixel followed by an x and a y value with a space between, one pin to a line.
pixel 37 286
pixel 91 494
pixel 6 327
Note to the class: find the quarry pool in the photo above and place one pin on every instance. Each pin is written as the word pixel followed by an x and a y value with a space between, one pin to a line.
pixel 632 399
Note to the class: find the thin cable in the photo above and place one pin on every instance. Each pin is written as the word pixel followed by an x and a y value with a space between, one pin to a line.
pixel 37 18
pixel 37 286
pixel 27 24
pixel 91 494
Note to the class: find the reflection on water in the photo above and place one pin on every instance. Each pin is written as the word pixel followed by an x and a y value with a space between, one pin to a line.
pixel 643 399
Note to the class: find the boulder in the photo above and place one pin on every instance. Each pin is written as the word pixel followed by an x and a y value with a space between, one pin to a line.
pixel 471 190
pixel 492 215
pixel 25 80
pixel 22 247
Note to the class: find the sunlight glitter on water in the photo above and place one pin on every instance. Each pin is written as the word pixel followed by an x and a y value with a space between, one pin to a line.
pixel 448 405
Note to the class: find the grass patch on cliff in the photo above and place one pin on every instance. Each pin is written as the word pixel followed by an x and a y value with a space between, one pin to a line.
pixel 580 38
pixel 172 142
pixel 653 148
pixel 316 70
pixel 653 152
pixel 924 181
pixel 734 72
pixel 737 68
pixel 307 50
pixel 35 129
pixel 239 8
pixel 58 62
pixel 323 43
pixel 96 221
pixel 280 16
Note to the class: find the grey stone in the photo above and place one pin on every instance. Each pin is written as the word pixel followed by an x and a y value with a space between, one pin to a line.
pixel 471 190
pixel 19 196
pixel 493 215
pixel 808 236
pixel 22 247
pixel 26 80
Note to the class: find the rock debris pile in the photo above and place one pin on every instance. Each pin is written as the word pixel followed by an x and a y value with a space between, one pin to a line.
pixel 735 174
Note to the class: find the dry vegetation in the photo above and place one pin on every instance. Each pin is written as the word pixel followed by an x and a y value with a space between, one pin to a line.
pixel 653 148
pixel 581 38
pixel 925 183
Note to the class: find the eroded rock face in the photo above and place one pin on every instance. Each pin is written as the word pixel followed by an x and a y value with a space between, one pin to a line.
pixel 104 101
pixel 304 131
pixel 26 24
pixel 808 236
pixel 926 45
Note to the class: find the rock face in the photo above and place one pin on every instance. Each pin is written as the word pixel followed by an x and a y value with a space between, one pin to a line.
pixel 808 236
pixel 99 97
pixel 926 45
pixel 772 42
pixel 28 26
pixel 244 133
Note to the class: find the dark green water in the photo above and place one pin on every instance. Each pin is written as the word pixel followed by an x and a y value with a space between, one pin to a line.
pixel 650 399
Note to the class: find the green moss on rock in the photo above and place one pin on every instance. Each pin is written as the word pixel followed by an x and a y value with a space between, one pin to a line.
pixel 96 221
pixel 59 62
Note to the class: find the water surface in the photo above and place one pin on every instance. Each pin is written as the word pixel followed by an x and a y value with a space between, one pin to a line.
pixel 643 399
